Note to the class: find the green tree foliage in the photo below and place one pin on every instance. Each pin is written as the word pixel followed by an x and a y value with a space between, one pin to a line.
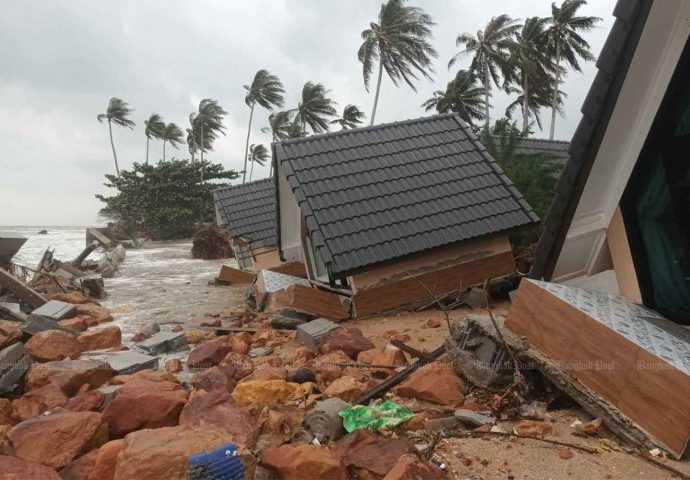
pixel 279 124
pixel 172 134
pixel 399 42
pixel 166 199
pixel 352 117
pixel 315 108
pixel 155 127
pixel 258 154
pixel 462 95
pixel 117 113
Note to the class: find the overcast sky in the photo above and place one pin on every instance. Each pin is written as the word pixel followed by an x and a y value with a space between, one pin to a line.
pixel 62 61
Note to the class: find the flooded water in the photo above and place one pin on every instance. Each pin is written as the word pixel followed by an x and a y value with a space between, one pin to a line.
pixel 161 280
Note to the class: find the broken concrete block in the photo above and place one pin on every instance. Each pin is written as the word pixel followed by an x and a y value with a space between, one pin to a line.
pixel 475 297
pixel 473 418
pixel 92 285
pixel 126 363
pixel 10 355
pixel 56 310
pixel 14 363
pixel 311 333
pixel 164 342
pixel 12 310
pixel 260 351
pixel 288 319
pixel 38 323
pixel 10 307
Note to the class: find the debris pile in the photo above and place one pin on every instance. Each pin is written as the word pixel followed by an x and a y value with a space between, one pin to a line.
pixel 211 244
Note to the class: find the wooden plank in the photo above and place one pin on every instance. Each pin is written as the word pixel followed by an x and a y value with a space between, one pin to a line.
pixel 650 391
pixel 21 289
pixel 295 269
pixel 233 276
pixel 318 302
pixel 409 290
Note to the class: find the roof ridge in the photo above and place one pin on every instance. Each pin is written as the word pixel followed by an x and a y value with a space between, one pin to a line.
pixel 367 128
pixel 245 184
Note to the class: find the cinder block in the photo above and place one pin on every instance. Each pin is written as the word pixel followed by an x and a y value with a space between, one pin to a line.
pixel 311 333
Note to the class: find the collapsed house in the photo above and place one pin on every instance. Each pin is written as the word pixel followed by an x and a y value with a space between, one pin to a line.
pixel 395 214
pixel 615 243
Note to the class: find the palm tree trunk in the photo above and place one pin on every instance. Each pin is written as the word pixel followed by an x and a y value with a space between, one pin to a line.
pixel 147 150
pixel 270 171
pixel 246 146
pixel 554 98
pixel 487 94
pixel 110 129
pixel 378 90
pixel 201 155
pixel 525 104
pixel 251 172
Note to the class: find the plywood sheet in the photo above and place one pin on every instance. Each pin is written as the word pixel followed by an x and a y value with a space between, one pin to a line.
pixel 232 275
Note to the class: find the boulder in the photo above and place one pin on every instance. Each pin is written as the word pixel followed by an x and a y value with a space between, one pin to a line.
pixel 81 468
pixel 298 462
pixel 364 450
pixel 301 357
pixel 106 337
pixel 240 343
pixel 327 367
pixel 237 366
pixel 144 404
pixel 277 423
pixel 146 332
pixel 78 323
pixel 349 339
pixel 149 375
pixel 394 357
pixel 9 333
pixel 267 373
pixel 69 375
pixel 55 440
pixel 98 313
pixel 436 383
pixel 162 453
pixel 17 469
pixel 106 460
pixel 35 402
pixel 268 391
pixel 89 401
pixel 217 410
pixel 6 412
pixel 51 345
pixel 212 379
pixel 174 365
pixel 209 354
pixel 76 298
pixel 346 388
pixel 410 467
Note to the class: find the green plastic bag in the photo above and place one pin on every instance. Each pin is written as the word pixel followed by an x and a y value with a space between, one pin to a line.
pixel 387 414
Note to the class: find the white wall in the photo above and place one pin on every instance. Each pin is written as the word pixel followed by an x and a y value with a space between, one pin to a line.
pixel 290 220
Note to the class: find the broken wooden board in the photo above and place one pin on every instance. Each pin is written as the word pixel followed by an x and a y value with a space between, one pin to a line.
pixel 294 269
pixel 21 289
pixel 234 276
pixel 96 234
pixel 630 356
pixel 317 302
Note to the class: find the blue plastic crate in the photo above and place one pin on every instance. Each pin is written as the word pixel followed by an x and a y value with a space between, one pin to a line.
pixel 223 463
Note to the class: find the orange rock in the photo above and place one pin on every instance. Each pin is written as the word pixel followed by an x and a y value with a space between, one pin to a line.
pixel 77 323
pixel 9 333
pixel 144 404
pixel 106 460
pixel 267 373
pixel 565 453
pixel 37 401
pixel 174 365
pixel 17 469
pixel 236 366
pixel 50 345
pixel 345 388
pixel 532 428
pixel 298 462
pixel 410 467
pixel 433 323
pixel 55 440
pixel 391 356
pixel 69 375
pixel 269 391
pixel 348 339
pixel 100 314
pixel 6 412
pixel 209 354
pixel 239 344
pixel 213 378
pixel 364 450
pixel 417 422
pixel 81 468
pixel 301 356
pixel 436 383
pixel 106 337
pixel 76 298
pixel 277 424
pixel 327 366
pixel 89 401
pixel 149 375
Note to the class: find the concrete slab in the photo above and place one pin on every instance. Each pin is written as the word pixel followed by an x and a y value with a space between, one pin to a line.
pixel 56 310
pixel 311 333
pixel 164 342
pixel 38 323
pixel 126 363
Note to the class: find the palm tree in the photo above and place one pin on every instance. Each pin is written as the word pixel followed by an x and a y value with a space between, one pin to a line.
pixel 117 113
pixel 352 117
pixel 565 42
pixel 267 91
pixel 257 154
pixel 462 95
pixel 489 50
pixel 173 134
pixel 538 97
pixel 154 128
pixel 315 108
pixel 207 124
pixel 528 65
pixel 399 43
pixel 279 125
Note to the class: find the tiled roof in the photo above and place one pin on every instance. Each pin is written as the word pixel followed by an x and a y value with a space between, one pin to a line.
pixel 556 149
pixel 248 210
pixel 383 192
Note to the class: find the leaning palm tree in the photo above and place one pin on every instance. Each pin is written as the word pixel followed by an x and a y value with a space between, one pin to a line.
pixel 399 43
pixel 529 65
pixel 352 117
pixel 315 108
pixel 117 113
pixel 530 105
pixel 207 125
pixel 462 95
pixel 172 134
pixel 489 49
pixel 257 154
pixel 267 91
pixel 191 144
pixel 279 125
pixel 565 43
pixel 154 129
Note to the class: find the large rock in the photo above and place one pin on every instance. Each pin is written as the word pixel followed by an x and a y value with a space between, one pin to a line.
pixel 81 468
pixel 330 366
pixel 106 337
pixel 52 345
pixel 364 450
pixel 389 356
pixel 69 375
pixel 436 383
pixel 99 314
pixel 209 354
pixel 106 460
pixel 266 391
pixel 277 423
pixel 410 467
pixel 35 402
pixel 55 440
pixel 217 410
pixel 144 404
pixel 9 333
pixel 240 342
pixel 237 366
pixel 212 379
pixel 162 454
pixel 75 298
pixel 90 401
pixel 350 340
pixel 6 411
pixel 301 357
pixel 78 323
pixel 346 388
pixel 149 375
pixel 12 468
pixel 299 462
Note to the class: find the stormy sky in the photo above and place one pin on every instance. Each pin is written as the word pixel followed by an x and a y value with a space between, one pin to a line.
pixel 60 62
